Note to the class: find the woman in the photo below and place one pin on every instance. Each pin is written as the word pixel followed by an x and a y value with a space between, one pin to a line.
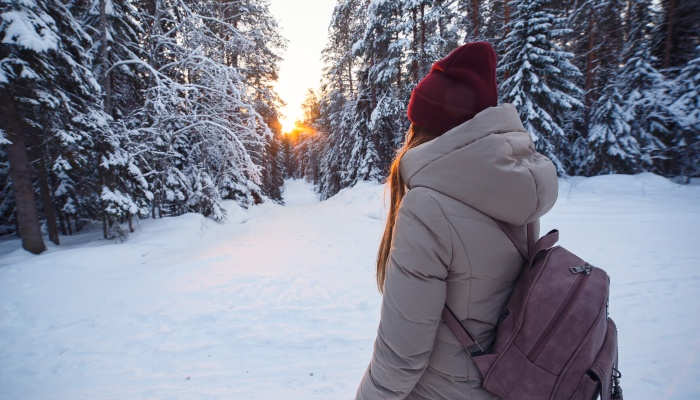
pixel 466 164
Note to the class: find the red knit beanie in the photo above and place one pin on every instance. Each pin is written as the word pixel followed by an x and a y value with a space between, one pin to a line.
pixel 456 88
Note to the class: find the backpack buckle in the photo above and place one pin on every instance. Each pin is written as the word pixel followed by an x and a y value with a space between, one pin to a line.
pixel 616 389
pixel 476 350
pixel 581 269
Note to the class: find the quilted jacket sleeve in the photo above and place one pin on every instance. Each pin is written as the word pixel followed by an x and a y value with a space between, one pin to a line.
pixel 414 295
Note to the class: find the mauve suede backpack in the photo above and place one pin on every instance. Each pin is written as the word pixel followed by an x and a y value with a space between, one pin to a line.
pixel 555 339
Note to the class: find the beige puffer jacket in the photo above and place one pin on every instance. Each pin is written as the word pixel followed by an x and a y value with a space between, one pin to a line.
pixel 448 249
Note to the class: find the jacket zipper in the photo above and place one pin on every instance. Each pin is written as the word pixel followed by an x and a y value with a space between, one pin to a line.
pixel 543 339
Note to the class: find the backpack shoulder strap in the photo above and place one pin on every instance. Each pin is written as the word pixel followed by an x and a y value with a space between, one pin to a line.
pixel 465 338
pixel 531 232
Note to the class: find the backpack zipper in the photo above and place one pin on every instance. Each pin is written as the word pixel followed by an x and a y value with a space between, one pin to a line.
pixel 542 340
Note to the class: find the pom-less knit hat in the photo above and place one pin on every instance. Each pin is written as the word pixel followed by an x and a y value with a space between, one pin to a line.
pixel 456 88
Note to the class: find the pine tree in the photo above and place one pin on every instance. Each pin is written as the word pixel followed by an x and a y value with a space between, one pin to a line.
pixel 340 87
pixel 611 146
pixel 123 191
pixel 53 99
pixel 685 147
pixel 473 19
pixel 308 139
pixel 541 78
pixel 338 118
pixel 273 169
pixel 201 109
pixel 255 55
pixel 7 200
pixel 378 116
pixel 645 95
pixel 600 32
pixel 442 31
pixel 676 34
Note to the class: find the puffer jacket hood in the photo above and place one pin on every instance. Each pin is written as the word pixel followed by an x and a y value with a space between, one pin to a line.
pixel 489 163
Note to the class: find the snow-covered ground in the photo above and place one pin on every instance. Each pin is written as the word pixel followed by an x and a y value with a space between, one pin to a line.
pixel 280 301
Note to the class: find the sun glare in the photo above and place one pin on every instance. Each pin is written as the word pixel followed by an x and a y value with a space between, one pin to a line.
pixel 298 130
pixel 292 125
pixel 288 125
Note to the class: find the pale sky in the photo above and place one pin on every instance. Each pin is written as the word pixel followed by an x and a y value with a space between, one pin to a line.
pixel 305 24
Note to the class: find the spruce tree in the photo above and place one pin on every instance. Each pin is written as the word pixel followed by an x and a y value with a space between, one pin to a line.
pixel 611 146
pixel 645 90
pixel 676 34
pixel 50 98
pixel 378 116
pixel 685 147
pixel 541 79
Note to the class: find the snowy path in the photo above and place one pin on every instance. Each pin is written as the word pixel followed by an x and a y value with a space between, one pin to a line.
pixel 280 301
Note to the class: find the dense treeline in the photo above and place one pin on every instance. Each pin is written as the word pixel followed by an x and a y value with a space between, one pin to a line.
pixel 604 86
pixel 114 110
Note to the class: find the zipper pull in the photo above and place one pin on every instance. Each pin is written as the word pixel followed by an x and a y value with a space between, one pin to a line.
pixel 581 269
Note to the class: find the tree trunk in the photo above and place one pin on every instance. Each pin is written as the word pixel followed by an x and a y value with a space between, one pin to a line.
pixel 628 20
pixel 62 224
pixel 17 225
pixel 235 54
pixel 21 174
pixel 414 45
pixel 106 79
pixel 105 232
pixel 475 17
pixel 588 85
pixel 506 29
pixel 441 24
pixel 423 63
pixel 670 19
pixel 506 17
pixel 49 210
pixel 70 228
pixel 352 92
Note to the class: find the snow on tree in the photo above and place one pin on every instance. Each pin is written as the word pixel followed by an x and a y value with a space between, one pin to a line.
pixel 685 147
pixel 254 52
pixel 127 111
pixel 379 110
pixel 335 118
pixel 676 34
pixel 115 30
pixel 472 18
pixel 202 107
pixel 52 98
pixel 123 191
pixel 541 79
pixel 645 94
pixel 7 200
pixel 339 89
pixel 611 146
pixel 308 140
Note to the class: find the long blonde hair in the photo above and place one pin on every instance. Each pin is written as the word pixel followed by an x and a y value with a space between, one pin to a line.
pixel 395 183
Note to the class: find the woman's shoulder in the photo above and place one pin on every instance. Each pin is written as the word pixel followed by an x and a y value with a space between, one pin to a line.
pixel 431 201
pixel 423 201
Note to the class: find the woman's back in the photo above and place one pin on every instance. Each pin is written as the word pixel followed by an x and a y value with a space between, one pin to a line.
pixel 448 249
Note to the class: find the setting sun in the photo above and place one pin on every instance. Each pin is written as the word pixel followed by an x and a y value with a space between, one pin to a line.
pixel 300 68
pixel 297 129
pixel 288 124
